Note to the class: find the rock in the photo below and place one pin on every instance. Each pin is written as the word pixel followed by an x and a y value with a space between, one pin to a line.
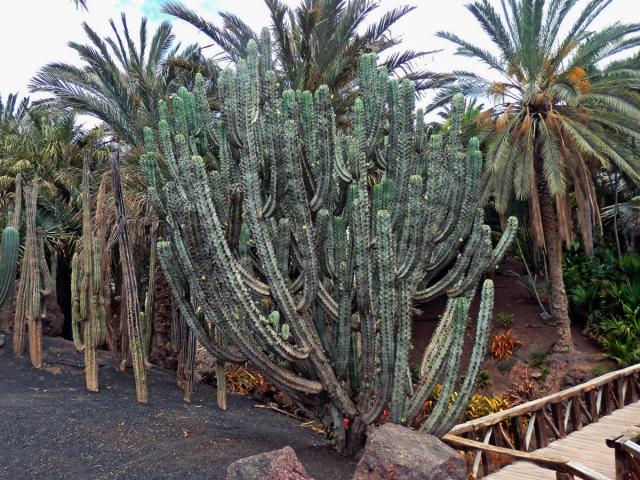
pixel 53 323
pixel 275 465
pixel 393 452
pixel 53 370
pixel 1 339
pixel 205 366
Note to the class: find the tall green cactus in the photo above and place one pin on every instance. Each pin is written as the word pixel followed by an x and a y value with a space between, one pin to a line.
pixel 87 312
pixel 129 285
pixel 35 285
pixel 344 232
pixel 10 246
pixel 9 252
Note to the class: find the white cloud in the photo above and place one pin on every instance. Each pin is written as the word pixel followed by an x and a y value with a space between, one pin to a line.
pixel 35 32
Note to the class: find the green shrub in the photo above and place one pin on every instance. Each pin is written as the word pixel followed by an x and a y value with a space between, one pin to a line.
pixel 606 292
pixel 505 319
pixel 538 358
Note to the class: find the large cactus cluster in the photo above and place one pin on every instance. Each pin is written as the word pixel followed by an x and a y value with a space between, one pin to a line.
pixel 35 284
pixel 87 302
pixel 307 249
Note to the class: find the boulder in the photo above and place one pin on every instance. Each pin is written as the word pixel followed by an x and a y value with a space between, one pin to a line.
pixel 280 464
pixel 394 452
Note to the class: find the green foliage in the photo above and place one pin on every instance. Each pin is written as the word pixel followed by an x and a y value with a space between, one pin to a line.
pixel 550 76
pixel 607 294
pixel 539 358
pixel 484 379
pixel 505 319
pixel 318 43
pixel 342 235
pixel 544 373
pixel 599 371
pixel 506 365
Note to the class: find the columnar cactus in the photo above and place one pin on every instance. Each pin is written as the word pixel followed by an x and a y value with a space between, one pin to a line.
pixel 344 233
pixel 35 285
pixel 9 252
pixel 129 285
pixel 10 246
pixel 87 312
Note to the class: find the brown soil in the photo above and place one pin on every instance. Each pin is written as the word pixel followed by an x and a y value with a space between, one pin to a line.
pixel 553 374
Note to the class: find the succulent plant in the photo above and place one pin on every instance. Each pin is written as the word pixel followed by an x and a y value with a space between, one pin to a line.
pixel 88 308
pixel 343 232
pixel 35 283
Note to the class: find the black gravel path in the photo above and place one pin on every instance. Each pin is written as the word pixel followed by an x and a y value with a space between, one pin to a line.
pixel 51 428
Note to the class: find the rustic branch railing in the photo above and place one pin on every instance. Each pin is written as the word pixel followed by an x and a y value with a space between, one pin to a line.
pixel 565 468
pixel 627 450
pixel 533 425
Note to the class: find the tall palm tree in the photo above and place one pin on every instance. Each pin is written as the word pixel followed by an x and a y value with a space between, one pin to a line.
pixel 319 42
pixel 556 115
pixel 81 4
pixel 119 83
pixel 48 146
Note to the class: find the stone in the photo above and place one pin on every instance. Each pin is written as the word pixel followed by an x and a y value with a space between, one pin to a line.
pixel 280 464
pixel 53 323
pixel 1 339
pixel 394 452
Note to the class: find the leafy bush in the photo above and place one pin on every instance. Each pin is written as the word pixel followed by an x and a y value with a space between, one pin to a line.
pixel 505 319
pixel 606 293
pixel 539 358
pixel 504 345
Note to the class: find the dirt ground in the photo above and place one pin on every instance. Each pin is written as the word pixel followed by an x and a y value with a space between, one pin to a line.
pixel 51 428
pixel 537 337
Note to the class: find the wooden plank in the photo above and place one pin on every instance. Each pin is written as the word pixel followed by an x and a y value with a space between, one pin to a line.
pixel 576 414
pixel 592 405
pixel 551 462
pixel 587 447
pixel 535 405
pixel 558 419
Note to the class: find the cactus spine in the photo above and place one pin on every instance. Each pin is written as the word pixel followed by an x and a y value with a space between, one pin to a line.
pixel 87 311
pixel 345 234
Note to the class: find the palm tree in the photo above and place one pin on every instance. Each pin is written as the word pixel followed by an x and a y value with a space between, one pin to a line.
pixel 319 42
pixel 556 115
pixel 120 82
pixel 48 146
pixel 81 4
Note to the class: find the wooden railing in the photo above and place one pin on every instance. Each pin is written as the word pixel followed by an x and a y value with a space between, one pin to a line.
pixel 627 450
pixel 533 425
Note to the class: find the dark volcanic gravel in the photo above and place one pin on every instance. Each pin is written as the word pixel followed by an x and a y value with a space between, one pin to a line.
pixel 51 428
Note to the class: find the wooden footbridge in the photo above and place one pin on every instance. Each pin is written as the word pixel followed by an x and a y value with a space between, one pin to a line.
pixel 590 431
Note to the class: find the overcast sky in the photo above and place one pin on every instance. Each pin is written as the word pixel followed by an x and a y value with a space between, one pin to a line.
pixel 36 32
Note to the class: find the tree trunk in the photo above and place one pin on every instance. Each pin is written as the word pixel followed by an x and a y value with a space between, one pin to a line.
pixel 559 301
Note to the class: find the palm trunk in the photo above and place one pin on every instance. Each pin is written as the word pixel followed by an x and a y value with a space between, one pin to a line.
pixel 559 301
